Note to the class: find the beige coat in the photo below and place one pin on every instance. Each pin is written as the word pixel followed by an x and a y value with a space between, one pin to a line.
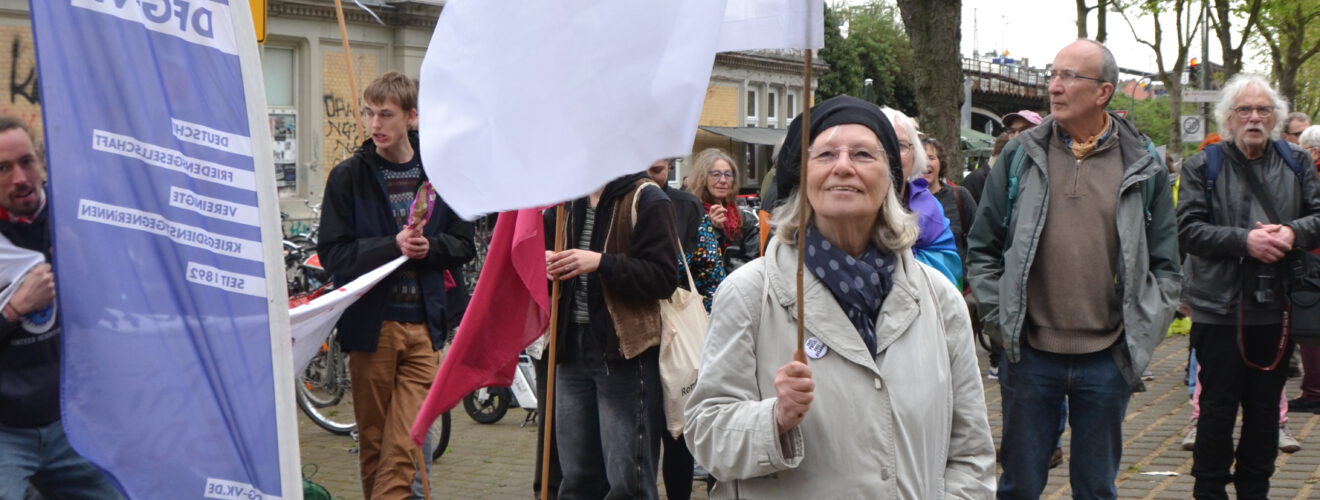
pixel 909 423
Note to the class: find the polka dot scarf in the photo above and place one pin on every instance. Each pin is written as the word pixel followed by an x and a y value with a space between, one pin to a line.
pixel 860 285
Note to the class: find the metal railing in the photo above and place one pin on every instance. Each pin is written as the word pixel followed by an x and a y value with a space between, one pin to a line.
pixel 1018 74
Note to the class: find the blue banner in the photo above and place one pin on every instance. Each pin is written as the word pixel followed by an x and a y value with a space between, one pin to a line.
pixel 167 378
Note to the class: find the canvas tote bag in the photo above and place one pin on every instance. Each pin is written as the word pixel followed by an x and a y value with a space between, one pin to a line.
pixel 682 337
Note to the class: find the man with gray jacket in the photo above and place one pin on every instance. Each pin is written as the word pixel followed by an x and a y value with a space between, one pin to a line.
pixel 1246 204
pixel 1074 263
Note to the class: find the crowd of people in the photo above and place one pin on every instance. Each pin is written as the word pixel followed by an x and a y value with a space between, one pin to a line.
pixel 1069 251
pixel 1071 254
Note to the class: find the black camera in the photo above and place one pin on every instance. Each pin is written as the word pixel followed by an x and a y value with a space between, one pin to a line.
pixel 1264 293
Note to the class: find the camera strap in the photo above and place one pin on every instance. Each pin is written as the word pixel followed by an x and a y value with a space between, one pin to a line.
pixel 1258 192
pixel 1284 336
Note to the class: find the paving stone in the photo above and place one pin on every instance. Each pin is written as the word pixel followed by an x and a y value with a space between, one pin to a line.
pixel 495 462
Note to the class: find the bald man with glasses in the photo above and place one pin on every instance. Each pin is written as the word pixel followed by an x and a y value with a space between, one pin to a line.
pixel 1074 267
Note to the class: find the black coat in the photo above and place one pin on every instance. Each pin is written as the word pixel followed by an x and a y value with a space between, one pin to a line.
pixel 357 235
pixel 1218 264
pixel 29 363
pixel 648 271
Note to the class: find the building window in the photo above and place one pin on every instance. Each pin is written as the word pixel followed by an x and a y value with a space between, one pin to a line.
pixel 753 105
pixel 772 110
pixel 279 66
pixel 792 105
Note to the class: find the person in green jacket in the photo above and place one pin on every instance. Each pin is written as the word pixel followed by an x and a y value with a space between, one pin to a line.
pixel 1074 264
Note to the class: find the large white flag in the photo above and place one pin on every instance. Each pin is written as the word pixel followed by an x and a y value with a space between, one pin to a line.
pixel 773 24
pixel 544 102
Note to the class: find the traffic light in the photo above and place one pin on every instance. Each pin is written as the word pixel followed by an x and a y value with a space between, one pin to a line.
pixel 1194 72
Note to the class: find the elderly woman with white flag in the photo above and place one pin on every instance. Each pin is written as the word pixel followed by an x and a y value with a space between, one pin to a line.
pixel 890 403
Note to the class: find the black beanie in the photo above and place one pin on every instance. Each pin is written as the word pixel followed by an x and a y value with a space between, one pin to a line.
pixel 834 111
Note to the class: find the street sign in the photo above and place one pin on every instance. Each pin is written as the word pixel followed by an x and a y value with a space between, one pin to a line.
pixel 1200 95
pixel 1193 128
pixel 1122 113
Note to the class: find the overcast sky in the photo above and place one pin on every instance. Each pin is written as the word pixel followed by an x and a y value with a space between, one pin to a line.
pixel 1037 29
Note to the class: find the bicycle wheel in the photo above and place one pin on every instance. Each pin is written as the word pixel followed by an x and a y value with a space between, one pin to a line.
pixel 324 390
pixel 487 405
pixel 325 380
pixel 440 434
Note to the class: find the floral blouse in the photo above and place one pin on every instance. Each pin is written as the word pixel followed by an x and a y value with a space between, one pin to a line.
pixel 707 262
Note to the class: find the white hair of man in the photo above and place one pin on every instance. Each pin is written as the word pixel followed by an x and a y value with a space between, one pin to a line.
pixel 1310 137
pixel 898 119
pixel 1228 100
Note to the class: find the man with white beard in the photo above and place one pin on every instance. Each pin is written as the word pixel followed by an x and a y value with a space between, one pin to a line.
pixel 1262 203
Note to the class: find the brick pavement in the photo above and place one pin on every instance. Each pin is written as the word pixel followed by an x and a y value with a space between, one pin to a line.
pixel 493 462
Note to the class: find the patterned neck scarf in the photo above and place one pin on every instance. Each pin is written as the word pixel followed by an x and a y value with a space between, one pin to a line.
pixel 860 285
pixel 1082 148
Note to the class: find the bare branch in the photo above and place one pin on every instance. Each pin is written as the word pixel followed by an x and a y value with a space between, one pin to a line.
pixel 1133 29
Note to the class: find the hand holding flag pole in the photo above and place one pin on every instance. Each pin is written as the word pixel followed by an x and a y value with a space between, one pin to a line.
pixel 552 347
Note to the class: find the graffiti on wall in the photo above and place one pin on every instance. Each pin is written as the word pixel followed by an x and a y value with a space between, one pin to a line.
pixel 21 97
pixel 339 126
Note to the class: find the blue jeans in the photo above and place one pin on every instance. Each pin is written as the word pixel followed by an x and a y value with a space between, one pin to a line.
pixel 608 420
pixel 1034 390
pixel 42 455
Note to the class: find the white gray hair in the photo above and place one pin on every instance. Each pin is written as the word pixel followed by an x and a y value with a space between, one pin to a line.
pixel 1310 137
pixel 898 119
pixel 895 229
pixel 1228 100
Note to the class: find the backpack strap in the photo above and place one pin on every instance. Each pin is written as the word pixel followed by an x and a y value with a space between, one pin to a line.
pixel 1015 166
pixel 1285 150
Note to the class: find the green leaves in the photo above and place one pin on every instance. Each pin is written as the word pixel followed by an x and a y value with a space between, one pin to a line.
pixel 876 47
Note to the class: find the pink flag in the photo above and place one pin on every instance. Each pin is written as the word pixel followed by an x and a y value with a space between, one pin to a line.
pixel 510 308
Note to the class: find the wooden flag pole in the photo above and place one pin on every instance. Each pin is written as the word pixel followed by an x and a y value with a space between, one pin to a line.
pixel 352 76
pixel 800 355
pixel 552 346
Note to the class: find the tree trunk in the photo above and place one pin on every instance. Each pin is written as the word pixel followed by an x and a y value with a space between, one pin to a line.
pixel 934 30
pixel 1082 11
pixel 1224 32
pixel 1174 86
pixel 1232 56
pixel 1101 26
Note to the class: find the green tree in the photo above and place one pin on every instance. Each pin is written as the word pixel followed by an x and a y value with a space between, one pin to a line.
pixel 1154 118
pixel 1290 32
pixel 1308 88
pixel 845 74
pixel 1180 33
pixel 875 47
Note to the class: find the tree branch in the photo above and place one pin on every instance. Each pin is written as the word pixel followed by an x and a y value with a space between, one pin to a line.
pixel 1252 19
pixel 1123 12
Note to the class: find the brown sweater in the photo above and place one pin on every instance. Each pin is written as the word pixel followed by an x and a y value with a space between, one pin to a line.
pixel 1073 306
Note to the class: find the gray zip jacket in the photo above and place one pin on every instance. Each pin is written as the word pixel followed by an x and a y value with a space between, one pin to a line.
pixel 1216 244
pixel 1002 245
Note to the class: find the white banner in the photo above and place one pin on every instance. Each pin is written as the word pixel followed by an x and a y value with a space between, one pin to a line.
pixel 773 24
pixel 562 97
pixel 312 322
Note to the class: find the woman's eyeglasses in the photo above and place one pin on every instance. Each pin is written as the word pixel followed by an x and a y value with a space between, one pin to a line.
pixel 858 156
